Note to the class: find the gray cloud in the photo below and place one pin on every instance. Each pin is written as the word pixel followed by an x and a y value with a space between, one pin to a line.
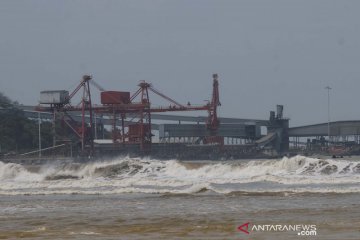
pixel 266 52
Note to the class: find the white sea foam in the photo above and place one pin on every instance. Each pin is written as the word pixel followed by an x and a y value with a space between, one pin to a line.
pixel 133 175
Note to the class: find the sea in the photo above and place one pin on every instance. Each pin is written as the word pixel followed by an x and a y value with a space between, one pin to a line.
pixel 142 198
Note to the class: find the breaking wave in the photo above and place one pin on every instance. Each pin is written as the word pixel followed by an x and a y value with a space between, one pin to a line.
pixel 133 175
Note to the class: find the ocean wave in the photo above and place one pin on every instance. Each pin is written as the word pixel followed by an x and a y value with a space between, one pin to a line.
pixel 135 175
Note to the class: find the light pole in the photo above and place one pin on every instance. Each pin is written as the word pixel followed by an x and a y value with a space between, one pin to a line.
pixel 39 116
pixel 328 90
pixel 96 137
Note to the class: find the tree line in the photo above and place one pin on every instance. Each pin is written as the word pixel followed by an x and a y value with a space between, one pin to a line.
pixel 18 134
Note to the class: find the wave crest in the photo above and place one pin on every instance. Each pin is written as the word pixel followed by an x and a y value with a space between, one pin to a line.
pixel 298 173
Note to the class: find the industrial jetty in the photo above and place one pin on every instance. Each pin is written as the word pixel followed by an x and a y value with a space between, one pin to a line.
pixel 125 123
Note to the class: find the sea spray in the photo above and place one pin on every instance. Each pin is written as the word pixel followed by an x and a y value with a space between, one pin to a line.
pixel 131 175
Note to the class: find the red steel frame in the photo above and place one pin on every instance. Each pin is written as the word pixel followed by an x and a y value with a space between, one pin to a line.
pixel 140 110
pixel 84 131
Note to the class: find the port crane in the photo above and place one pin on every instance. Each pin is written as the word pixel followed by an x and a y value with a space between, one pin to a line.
pixel 121 105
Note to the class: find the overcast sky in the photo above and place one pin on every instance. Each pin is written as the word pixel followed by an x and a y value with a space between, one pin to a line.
pixel 265 52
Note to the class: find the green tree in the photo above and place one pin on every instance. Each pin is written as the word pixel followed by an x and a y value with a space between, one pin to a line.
pixel 18 133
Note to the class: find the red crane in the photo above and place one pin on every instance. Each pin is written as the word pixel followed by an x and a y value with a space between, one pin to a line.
pixel 140 132
pixel 84 131
pixel 138 106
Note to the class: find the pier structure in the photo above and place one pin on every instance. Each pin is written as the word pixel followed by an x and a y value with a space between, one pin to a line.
pixel 135 125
